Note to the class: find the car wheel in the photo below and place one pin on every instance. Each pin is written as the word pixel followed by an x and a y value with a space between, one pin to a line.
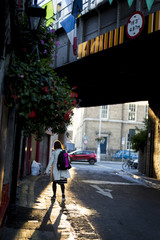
pixel 91 161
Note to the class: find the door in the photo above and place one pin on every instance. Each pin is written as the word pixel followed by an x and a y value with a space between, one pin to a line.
pixel 44 151
pixel 103 146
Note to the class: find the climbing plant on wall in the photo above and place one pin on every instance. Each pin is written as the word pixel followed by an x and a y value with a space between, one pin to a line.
pixel 43 100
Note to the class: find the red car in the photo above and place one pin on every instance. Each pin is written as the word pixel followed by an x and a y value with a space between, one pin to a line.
pixel 83 156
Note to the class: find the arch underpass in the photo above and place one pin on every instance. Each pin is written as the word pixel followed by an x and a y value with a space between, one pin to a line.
pixel 124 73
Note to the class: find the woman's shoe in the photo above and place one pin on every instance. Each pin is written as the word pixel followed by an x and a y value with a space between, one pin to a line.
pixel 63 198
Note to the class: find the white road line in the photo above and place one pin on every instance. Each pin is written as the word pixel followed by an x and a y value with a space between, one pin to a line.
pixel 108 182
pixel 104 192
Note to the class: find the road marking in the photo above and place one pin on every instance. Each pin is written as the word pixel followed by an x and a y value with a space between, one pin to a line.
pixel 104 192
pixel 108 182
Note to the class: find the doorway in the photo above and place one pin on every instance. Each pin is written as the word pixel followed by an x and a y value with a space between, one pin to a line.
pixel 103 146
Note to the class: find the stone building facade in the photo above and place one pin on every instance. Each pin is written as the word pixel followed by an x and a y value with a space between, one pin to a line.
pixel 113 122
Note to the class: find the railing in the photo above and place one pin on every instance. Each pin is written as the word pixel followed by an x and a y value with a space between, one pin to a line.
pixel 64 12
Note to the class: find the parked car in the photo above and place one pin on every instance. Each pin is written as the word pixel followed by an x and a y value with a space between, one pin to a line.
pixel 83 156
pixel 126 155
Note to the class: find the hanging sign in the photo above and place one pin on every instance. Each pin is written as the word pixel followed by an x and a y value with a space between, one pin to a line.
pixel 123 140
pixel 135 25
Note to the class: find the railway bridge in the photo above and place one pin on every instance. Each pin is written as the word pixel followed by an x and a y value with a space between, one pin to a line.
pixel 116 61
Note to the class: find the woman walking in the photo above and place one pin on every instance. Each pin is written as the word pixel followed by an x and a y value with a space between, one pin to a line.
pixel 59 176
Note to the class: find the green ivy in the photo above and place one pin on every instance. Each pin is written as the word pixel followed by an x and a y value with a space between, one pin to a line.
pixel 140 138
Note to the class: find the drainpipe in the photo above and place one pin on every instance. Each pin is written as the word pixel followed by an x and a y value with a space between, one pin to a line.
pixel 139 5
pixel 122 124
pixel 99 21
pixel 118 13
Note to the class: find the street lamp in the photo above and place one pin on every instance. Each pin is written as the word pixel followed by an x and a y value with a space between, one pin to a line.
pixel 99 135
pixel 35 14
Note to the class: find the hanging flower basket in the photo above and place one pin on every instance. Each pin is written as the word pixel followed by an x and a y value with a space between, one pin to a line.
pixel 43 100
pixel 99 139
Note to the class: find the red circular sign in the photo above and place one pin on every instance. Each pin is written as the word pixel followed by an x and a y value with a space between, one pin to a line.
pixel 135 25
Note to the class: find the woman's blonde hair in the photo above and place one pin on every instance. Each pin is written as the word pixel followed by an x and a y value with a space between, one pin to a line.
pixel 58 145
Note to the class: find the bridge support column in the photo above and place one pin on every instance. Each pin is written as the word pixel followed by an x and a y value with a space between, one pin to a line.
pixel 153 144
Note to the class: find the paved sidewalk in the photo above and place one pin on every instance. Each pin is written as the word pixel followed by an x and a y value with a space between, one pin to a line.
pixel 37 217
pixel 134 173
pixel 151 182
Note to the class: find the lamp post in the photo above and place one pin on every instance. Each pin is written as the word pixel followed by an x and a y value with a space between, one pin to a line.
pixel 35 14
pixel 99 136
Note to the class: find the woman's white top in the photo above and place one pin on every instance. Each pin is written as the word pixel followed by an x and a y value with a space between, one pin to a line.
pixel 57 174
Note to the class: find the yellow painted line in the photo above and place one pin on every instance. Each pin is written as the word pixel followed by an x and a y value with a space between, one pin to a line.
pixel 92 46
pixel 101 42
pixel 106 40
pixel 116 34
pixel 80 50
pixel 157 21
pixel 84 49
pixel 96 44
pixel 111 39
pixel 150 23
pixel 121 35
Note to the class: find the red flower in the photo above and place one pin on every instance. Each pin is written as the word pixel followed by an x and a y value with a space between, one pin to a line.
pixel 45 89
pixel 15 97
pixel 52 90
pixel 76 95
pixel 74 102
pixel 72 94
pixel 32 114
pixel 67 115
pixel 65 102
pixel 75 87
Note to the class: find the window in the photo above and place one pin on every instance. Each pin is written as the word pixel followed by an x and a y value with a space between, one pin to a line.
pixel 132 112
pixel 129 136
pixel 59 7
pixel 78 153
pixel 129 145
pixel 104 111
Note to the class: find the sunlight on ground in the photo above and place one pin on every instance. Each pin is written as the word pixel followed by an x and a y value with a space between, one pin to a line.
pixel 61 215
